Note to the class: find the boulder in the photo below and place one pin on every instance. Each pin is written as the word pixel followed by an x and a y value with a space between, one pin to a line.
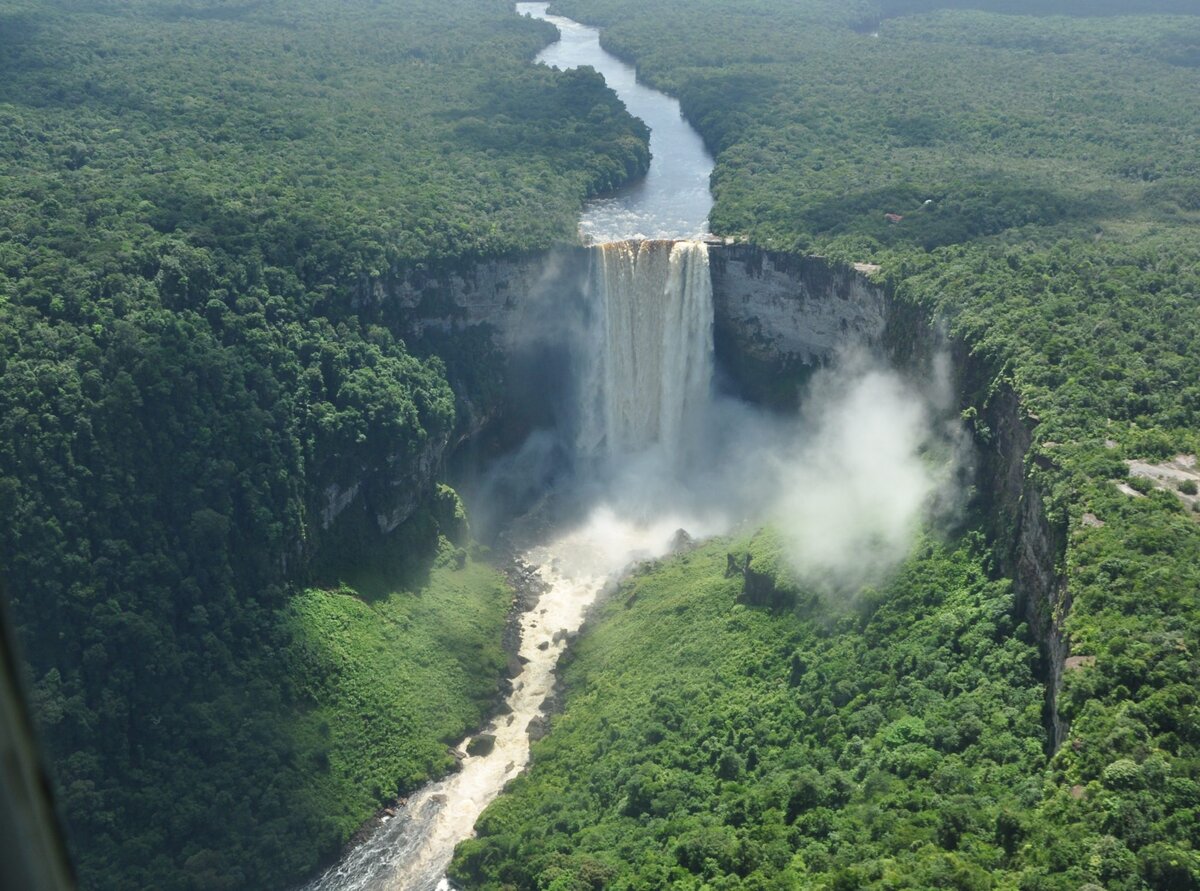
pixel 481 744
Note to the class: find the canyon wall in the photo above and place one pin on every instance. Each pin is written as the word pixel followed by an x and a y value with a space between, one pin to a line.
pixel 777 317
pixel 481 317
pixel 1029 545
pixel 775 307
pixel 515 299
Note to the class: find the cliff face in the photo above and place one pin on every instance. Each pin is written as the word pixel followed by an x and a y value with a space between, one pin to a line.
pixel 485 319
pixel 779 316
pixel 1029 546
pixel 512 298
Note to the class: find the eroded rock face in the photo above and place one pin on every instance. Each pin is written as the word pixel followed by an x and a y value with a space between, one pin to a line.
pixel 336 500
pixel 408 487
pixel 1029 545
pixel 514 298
pixel 479 316
pixel 390 492
pixel 772 308
pixel 776 307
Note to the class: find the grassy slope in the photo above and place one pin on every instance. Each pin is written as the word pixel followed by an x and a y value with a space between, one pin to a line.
pixel 388 684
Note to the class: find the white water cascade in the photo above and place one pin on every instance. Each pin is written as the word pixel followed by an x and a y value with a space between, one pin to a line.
pixel 648 369
pixel 644 387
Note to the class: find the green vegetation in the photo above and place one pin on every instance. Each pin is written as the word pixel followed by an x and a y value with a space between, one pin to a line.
pixel 348 705
pixel 389 684
pixel 892 742
pixel 705 743
pixel 194 196
pixel 1045 174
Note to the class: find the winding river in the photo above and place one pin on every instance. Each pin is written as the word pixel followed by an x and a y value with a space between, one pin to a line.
pixel 412 850
pixel 673 199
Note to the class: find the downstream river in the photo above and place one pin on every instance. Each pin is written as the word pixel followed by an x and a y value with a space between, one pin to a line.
pixel 412 850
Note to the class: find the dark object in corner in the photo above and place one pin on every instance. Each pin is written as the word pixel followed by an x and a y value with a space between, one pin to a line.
pixel 32 856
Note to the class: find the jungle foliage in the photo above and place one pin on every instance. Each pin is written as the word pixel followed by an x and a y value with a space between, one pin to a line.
pixel 896 739
pixel 193 196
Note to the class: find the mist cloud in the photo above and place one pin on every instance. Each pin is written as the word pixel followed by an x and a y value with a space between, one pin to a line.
pixel 875 459
pixel 872 458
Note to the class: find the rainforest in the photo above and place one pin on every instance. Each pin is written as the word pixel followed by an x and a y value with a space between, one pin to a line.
pixel 605 445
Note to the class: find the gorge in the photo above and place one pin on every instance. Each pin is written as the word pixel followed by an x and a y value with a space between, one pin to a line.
pixel 640 349
pixel 383 430
pixel 678 367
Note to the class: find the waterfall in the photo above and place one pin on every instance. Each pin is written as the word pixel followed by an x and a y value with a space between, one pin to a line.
pixel 649 360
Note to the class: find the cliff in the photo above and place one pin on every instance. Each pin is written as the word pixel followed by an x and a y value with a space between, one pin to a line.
pixel 777 318
pixel 498 325
pixel 1029 547
pixel 513 298
pixel 773 306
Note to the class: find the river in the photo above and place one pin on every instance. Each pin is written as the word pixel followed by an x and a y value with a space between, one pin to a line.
pixel 412 850
pixel 673 199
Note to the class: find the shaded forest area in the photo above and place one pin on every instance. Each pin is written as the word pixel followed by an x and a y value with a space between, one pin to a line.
pixel 192 195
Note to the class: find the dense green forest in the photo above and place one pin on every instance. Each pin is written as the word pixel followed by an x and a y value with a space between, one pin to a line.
pixel 195 195
pixel 1043 176
pixel 899 741
pixel 192 196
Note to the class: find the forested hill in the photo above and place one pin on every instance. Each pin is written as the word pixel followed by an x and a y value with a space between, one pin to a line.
pixel 1032 181
pixel 191 193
